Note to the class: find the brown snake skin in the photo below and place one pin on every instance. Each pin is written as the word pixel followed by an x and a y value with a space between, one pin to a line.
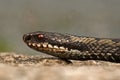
pixel 72 47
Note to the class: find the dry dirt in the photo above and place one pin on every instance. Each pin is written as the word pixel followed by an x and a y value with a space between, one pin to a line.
pixel 23 67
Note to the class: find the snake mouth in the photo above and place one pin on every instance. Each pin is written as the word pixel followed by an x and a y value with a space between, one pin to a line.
pixel 46 47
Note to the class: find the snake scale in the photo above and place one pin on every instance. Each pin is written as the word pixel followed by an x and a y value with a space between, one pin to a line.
pixel 72 47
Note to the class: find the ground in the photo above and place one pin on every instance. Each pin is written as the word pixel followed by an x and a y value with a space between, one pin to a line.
pixel 25 67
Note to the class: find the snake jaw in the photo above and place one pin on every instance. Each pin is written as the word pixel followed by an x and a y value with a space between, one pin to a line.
pixel 46 47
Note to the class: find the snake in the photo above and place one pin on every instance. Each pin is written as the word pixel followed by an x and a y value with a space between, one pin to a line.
pixel 73 47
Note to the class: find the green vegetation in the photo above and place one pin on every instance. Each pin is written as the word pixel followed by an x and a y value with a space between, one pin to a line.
pixel 4 45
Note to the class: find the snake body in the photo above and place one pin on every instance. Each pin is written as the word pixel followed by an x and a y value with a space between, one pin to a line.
pixel 72 47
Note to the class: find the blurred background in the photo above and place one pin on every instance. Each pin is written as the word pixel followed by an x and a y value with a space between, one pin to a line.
pixel 98 18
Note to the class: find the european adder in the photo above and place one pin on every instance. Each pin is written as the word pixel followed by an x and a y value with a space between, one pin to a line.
pixel 72 47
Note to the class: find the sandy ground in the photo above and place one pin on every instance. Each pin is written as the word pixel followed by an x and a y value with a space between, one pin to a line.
pixel 24 67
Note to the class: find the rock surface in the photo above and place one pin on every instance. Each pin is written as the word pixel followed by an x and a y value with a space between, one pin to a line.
pixel 23 67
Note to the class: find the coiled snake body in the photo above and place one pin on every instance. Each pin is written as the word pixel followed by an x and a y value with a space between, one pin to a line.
pixel 66 46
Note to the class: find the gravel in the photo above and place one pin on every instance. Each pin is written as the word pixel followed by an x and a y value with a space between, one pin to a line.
pixel 25 67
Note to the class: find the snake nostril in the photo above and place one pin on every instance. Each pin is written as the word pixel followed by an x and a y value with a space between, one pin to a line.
pixel 26 38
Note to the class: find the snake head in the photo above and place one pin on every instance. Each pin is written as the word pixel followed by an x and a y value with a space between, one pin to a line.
pixel 47 41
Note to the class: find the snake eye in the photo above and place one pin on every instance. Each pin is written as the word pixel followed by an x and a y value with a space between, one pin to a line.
pixel 40 36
